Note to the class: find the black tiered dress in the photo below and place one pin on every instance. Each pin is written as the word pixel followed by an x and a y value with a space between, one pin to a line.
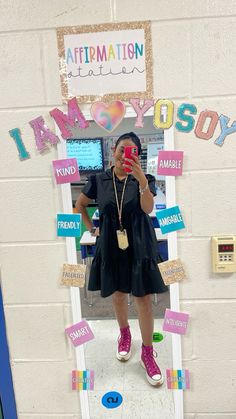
pixel 133 270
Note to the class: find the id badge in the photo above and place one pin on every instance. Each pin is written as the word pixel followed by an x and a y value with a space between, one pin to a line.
pixel 122 239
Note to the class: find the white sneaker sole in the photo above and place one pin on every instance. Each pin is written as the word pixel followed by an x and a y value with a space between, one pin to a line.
pixel 150 380
pixel 123 357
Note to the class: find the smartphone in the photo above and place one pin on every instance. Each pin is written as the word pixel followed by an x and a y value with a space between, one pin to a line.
pixel 130 151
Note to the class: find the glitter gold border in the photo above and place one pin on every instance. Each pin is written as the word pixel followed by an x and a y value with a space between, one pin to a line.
pixel 69 30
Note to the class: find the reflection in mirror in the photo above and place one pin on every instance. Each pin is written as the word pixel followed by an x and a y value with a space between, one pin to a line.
pixel 124 298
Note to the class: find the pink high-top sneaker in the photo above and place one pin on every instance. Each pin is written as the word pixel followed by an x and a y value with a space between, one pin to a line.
pixel 148 362
pixel 124 343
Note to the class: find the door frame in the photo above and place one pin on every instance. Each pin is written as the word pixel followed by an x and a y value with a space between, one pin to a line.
pixel 172 253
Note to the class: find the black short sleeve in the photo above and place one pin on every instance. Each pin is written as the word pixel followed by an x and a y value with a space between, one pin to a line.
pixel 152 184
pixel 90 189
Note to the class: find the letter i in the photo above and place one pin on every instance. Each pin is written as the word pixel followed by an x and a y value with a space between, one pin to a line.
pixel 16 135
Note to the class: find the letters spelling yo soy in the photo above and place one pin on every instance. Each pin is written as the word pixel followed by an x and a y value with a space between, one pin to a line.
pixel 163 118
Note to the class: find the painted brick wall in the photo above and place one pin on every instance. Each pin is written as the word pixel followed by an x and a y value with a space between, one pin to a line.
pixel 194 44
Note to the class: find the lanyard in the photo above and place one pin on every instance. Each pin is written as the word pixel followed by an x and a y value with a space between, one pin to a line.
pixel 119 207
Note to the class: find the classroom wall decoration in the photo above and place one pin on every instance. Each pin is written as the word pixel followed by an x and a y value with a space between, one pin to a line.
pixel 108 61
pixel 68 225
pixel 79 333
pixel 170 163
pixel 178 379
pixel 175 321
pixel 66 170
pixel 83 380
pixel 74 117
pixel 170 219
pixel 172 271
pixel 73 275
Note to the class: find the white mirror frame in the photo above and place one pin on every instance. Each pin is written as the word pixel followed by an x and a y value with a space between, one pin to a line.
pixel 172 254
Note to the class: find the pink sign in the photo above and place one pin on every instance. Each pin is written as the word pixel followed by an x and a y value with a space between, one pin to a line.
pixel 175 322
pixel 79 333
pixel 66 170
pixel 170 163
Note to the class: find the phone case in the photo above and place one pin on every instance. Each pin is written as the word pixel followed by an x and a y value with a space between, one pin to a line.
pixel 130 151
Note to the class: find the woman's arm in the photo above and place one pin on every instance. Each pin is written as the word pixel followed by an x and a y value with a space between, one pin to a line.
pixel 81 205
pixel 146 196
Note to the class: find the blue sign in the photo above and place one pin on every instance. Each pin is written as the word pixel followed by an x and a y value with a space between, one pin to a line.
pixel 170 219
pixel 112 399
pixel 68 225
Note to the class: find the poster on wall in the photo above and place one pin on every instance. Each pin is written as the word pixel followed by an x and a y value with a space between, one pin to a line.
pixel 108 61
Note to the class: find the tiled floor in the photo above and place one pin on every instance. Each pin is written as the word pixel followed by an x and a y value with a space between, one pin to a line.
pixel 140 399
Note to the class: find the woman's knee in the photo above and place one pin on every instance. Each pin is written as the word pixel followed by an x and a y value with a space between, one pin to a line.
pixel 144 301
pixel 119 297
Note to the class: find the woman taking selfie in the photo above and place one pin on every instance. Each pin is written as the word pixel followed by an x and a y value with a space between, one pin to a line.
pixel 126 254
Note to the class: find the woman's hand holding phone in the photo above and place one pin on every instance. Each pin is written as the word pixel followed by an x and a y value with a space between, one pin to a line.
pixel 132 165
pixel 129 153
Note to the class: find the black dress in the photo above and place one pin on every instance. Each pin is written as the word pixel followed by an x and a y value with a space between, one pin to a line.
pixel 133 270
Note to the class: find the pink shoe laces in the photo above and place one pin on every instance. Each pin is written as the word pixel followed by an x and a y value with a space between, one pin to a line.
pixel 148 355
pixel 124 340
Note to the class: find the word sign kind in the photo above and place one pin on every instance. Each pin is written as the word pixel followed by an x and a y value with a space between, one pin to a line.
pixel 66 170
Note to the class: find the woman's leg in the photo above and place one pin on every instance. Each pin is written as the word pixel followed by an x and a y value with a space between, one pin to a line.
pixel 145 316
pixel 120 305
pixel 146 322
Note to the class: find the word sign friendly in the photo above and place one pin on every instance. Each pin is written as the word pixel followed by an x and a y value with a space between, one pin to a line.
pixel 68 225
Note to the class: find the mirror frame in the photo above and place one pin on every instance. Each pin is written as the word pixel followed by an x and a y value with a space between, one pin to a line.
pixel 172 254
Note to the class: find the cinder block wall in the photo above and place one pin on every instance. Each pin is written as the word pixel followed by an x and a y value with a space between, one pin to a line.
pixel 194 44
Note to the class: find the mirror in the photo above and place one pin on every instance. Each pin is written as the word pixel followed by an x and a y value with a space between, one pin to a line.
pixel 127 378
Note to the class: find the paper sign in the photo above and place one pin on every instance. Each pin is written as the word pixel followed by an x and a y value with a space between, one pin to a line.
pixel 172 271
pixel 83 380
pixel 170 163
pixel 175 322
pixel 73 275
pixel 177 379
pixel 79 333
pixel 170 219
pixel 100 60
pixel 68 225
pixel 66 170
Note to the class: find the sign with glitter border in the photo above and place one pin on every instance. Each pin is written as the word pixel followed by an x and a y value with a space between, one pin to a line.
pixel 107 61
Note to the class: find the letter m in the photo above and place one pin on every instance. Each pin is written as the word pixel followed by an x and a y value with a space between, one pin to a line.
pixel 74 115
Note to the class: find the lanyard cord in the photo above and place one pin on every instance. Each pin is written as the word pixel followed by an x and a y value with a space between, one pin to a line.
pixel 119 207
